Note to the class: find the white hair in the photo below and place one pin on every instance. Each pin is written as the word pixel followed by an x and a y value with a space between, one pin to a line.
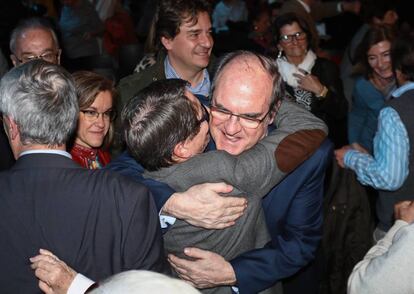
pixel 140 281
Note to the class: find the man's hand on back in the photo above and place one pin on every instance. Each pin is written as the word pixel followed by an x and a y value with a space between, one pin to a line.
pixel 207 270
pixel 54 275
pixel 202 206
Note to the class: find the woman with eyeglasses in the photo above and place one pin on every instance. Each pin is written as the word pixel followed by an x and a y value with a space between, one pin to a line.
pixel 95 125
pixel 309 80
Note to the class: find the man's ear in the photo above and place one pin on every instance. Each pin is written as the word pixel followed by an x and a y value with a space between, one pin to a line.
pixel 11 128
pixel 274 112
pixel 180 152
pixel 14 60
pixel 166 42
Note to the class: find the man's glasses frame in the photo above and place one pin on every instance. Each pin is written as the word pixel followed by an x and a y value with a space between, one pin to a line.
pixel 245 121
pixel 47 56
pixel 205 115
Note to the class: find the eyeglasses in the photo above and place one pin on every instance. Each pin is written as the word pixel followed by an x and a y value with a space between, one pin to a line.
pixel 299 36
pixel 205 116
pixel 245 121
pixel 93 115
pixel 48 56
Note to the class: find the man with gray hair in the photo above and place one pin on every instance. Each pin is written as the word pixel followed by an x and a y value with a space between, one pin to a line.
pixel 33 38
pixel 92 219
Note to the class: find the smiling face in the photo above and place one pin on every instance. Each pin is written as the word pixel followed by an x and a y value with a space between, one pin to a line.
pixel 91 132
pixel 189 51
pixel 379 59
pixel 246 94
pixel 294 49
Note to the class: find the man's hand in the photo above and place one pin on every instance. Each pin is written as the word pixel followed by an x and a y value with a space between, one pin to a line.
pixel 207 270
pixel 340 154
pixel 202 206
pixel 404 210
pixel 54 275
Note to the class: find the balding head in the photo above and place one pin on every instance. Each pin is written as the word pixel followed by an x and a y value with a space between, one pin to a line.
pixel 34 38
pixel 249 66
pixel 243 100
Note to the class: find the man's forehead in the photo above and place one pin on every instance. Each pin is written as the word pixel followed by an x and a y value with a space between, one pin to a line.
pixel 36 36
pixel 241 79
pixel 35 41
pixel 244 71
pixel 191 23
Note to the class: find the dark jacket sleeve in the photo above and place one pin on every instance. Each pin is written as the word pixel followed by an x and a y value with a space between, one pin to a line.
pixel 294 222
pixel 334 105
pixel 143 246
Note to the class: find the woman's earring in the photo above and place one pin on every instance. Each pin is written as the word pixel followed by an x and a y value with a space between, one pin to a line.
pixel 279 54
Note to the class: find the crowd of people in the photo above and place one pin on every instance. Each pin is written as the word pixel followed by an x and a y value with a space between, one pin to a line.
pixel 215 166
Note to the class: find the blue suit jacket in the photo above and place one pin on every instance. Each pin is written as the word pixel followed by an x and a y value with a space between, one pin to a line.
pixel 293 211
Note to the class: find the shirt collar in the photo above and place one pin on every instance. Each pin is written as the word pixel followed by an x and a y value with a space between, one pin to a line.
pixel 404 88
pixel 202 88
pixel 46 151
pixel 306 6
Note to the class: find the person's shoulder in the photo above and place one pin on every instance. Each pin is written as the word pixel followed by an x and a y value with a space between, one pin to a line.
pixel 127 166
pixel 135 78
pixel 132 84
pixel 361 81
pixel 124 162
pixel 364 90
pixel 117 184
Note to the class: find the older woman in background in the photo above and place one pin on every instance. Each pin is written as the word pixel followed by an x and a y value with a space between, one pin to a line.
pixel 95 129
pixel 311 81
pixel 373 85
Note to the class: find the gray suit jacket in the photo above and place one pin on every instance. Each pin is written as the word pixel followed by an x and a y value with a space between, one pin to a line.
pixel 253 174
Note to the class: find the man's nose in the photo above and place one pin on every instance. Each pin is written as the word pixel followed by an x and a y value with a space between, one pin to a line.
pixel 206 40
pixel 232 125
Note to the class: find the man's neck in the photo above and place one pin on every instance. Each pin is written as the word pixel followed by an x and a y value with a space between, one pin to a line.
pixel 32 147
pixel 192 76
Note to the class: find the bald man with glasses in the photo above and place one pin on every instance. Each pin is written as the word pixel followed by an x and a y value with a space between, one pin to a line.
pixel 32 39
